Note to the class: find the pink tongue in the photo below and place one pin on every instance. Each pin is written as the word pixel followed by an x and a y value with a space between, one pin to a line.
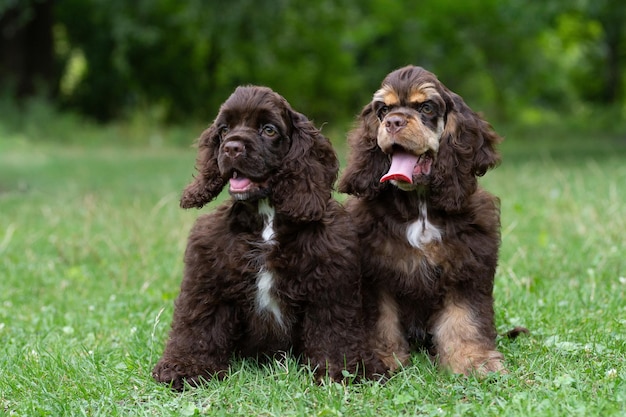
pixel 402 165
pixel 239 184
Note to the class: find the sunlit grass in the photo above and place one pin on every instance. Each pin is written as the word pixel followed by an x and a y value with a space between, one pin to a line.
pixel 91 243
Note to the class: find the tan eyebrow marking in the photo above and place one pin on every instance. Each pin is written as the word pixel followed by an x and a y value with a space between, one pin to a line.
pixel 387 96
pixel 423 92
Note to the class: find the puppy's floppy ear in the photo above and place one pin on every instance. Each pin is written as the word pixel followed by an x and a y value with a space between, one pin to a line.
pixel 208 182
pixel 366 161
pixel 303 186
pixel 467 150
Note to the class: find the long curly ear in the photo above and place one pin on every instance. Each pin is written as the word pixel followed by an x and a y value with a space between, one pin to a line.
pixel 303 186
pixel 208 182
pixel 366 162
pixel 467 150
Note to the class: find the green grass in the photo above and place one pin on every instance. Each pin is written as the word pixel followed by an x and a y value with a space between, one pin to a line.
pixel 91 243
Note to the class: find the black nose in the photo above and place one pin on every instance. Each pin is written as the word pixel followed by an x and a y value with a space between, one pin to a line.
pixel 233 148
pixel 394 124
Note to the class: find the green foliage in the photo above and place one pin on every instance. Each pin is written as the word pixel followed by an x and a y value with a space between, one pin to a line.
pixel 182 59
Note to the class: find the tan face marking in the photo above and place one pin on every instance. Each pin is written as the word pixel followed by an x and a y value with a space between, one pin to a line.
pixel 415 137
pixel 422 93
pixel 417 95
pixel 387 95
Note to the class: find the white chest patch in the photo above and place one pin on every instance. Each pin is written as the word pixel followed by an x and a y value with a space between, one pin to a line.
pixel 265 301
pixel 267 212
pixel 422 232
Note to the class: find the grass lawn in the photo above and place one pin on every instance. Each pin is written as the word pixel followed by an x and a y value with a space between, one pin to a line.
pixel 91 244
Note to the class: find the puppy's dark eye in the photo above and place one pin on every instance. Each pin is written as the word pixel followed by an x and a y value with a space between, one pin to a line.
pixel 427 108
pixel 269 130
pixel 382 112
pixel 222 130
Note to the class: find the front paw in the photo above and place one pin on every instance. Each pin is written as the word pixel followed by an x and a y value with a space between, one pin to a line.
pixel 492 361
pixel 474 362
pixel 178 375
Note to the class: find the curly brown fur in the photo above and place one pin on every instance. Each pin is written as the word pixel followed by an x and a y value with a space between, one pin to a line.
pixel 429 234
pixel 276 268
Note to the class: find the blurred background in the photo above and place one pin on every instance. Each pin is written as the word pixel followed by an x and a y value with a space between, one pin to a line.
pixel 172 62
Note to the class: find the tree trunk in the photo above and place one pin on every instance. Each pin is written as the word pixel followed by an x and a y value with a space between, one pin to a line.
pixel 612 16
pixel 27 64
pixel 613 75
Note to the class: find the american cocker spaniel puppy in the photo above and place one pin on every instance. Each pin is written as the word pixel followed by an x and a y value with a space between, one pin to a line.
pixel 275 268
pixel 429 234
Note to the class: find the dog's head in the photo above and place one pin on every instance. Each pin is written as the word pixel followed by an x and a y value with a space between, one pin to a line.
pixel 263 148
pixel 418 135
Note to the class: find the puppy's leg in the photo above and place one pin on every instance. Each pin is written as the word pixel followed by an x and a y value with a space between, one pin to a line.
pixel 464 337
pixel 199 346
pixel 388 339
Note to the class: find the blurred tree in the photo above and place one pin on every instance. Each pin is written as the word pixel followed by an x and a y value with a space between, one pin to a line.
pixel 27 64
pixel 584 42
pixel 137 52
pixel 181 59
pixel 611 14
pixel 188 56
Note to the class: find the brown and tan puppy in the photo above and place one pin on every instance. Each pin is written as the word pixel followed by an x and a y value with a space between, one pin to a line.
pixel 429 234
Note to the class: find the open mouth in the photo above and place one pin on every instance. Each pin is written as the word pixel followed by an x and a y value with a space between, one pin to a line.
pixel 239 183
pixel 244 188
pixel 406 166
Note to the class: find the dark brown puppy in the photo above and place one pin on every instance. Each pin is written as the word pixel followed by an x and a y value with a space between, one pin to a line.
pixel 276 268
pixel 429 234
